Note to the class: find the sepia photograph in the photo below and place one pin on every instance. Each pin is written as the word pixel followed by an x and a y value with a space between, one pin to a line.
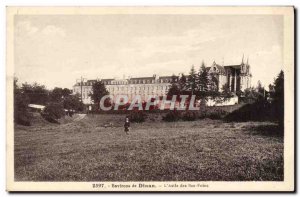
pixel 150 99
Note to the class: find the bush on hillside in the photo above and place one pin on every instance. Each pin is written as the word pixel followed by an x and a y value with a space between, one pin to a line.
pixel 216 113
pixel 258 111
pixel 137 116
pixel 53 112
pixel 212 113
pixel 208 112
pixel 189 116
pixel 21 111
pixel 23 118
pixel 172 116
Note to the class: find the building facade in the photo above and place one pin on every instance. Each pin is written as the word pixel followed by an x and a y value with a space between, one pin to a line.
pixel 143 86
pixel 235 77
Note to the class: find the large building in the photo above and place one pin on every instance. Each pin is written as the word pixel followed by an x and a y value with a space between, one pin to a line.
pixel 236 77
pixel 143 86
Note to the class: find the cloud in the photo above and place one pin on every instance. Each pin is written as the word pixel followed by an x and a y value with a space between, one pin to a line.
pixel 27 28
pixel 53 30
pixel 275 49
pixel 105 46
pixel 152 47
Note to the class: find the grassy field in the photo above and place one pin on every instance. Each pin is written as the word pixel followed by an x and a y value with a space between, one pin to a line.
pixel 204 150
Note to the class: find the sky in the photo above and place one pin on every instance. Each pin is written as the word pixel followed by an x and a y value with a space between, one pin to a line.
pixel 56 50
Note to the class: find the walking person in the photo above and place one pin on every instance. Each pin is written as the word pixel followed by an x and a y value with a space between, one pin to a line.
pixel 126 125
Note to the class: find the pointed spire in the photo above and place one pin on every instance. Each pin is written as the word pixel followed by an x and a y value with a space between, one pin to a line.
pixel 243 59
pixel 248 60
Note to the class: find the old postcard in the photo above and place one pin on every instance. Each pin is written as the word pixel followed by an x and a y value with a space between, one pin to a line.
pixel 150 99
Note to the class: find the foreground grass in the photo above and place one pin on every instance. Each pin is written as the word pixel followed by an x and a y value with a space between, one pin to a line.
pixel 203 150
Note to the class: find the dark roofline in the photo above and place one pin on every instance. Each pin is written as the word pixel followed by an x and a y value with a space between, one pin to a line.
pixel 167 76
pixel 232 66
pixel 107 79
pixel 225 66
pixel 143 78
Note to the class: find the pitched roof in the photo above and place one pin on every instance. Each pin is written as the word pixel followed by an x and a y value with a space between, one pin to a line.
pixel 140 78
pixel 220 68
pixel 232 66
pixel 107 79
pixel 166 77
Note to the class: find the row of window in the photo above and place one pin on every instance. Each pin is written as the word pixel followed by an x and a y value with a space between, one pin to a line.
pixel 84 90
pixel 115 82
pixel 137 81
pixel 85 94
pixel 137 88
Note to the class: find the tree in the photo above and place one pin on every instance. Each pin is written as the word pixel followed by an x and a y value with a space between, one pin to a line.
pixel 278 98
pixel 271 90
pixel 254 94
pixel 98 91
pixel 174 89
pixel 251 95
pixel 182 83
pixel 37 94
pixel 56 95
pixel 66 92
pixel 53 112
pixel 59 94
pixel 225 94
pixel 192 81
pixel 21 101
pixel 259 87
pixel 174 79
pixel 213 83
pixel 66 98
pixel 261 91
pixel 203 81
pixel 73 102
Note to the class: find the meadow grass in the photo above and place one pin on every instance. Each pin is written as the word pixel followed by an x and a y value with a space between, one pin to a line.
pixel 202 150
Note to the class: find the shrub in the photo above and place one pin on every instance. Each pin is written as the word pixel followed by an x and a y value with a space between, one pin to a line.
pixel 216 113
pixel 137 116
pixel 53 112
pixel 73 102
pixel 23 118
pixel 212 113
pixel 21 101
pixel 214 116
pixel 258 111
pixel 189 116
pixel 172 116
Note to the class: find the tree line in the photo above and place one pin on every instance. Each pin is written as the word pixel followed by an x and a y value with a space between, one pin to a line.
pixel 260 103
pixel 200 83
pixel 205 85
pixel 56 101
